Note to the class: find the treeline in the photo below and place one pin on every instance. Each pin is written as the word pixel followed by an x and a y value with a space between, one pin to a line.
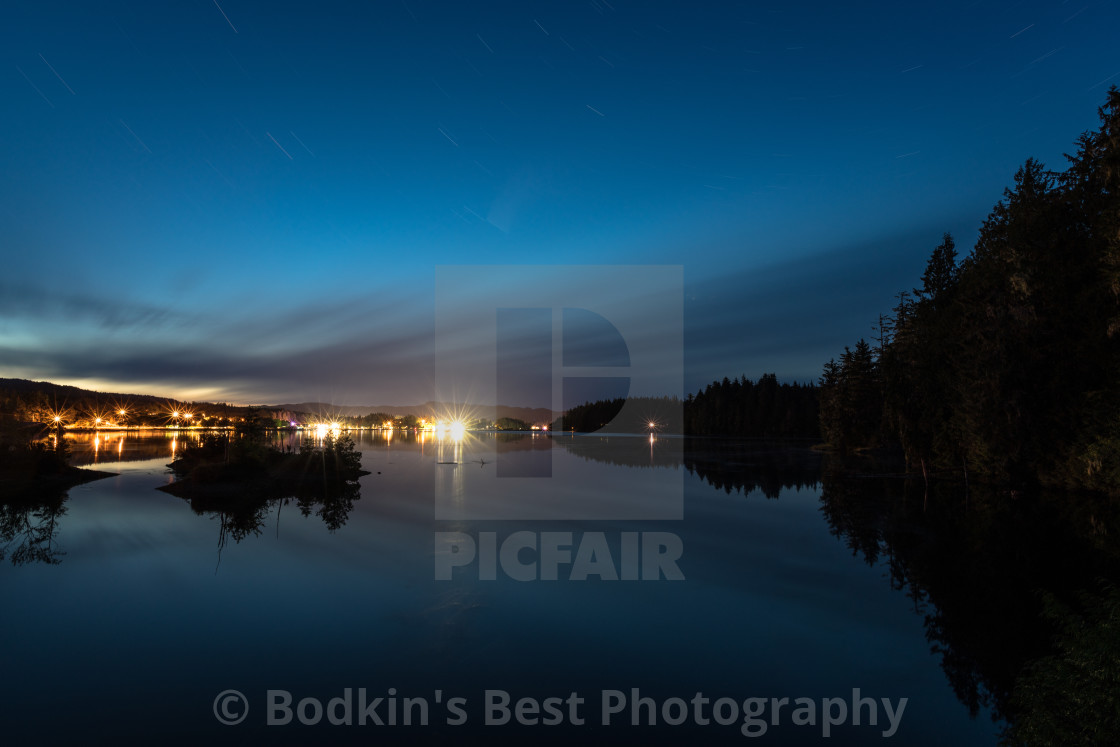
pixel 40 402
pixel 732 407
pixel 762 409
pixel 1005 364
pixel 642 415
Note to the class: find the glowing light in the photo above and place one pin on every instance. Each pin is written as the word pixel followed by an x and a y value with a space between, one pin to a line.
pixel 175 414
pixel 544 427
pixel 121 413
pixel 57 419
pixel 457 430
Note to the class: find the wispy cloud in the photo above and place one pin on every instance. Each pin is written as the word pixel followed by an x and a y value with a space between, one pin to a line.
pixel 33 303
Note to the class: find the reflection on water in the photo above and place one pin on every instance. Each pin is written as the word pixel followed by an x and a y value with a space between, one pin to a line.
pixel 627 451
pixel 889 592
pixel 246 515
pixel 977 568
pixel 29 527
pixel 108 447
pixel 101 447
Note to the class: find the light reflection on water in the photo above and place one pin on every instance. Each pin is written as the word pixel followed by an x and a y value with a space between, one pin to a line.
pixel 314 596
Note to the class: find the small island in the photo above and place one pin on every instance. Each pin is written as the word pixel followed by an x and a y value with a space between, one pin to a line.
pixel 244 464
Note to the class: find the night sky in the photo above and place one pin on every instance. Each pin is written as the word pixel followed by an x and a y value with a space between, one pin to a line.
pixel 247 201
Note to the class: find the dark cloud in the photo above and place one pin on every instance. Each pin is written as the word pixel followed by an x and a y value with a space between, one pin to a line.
pixel 395 368
pixel 24 301
pixel 791 317
pixel 787 317
pixel 352 348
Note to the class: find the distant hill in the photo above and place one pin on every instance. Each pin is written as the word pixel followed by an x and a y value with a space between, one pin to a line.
pixel 428 409
pixel 64 394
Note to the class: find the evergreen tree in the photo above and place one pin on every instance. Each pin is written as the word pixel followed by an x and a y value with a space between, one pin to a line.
pixel 1006 363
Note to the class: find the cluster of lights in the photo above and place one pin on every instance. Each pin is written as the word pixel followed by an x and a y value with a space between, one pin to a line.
pixel 118 415
pixel 322 430
pixel 453 428
pixel 178 415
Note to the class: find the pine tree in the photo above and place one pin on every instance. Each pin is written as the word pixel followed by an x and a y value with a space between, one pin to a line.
pixel 940 276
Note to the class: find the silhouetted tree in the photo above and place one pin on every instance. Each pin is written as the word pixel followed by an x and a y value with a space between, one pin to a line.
pixel 1004 364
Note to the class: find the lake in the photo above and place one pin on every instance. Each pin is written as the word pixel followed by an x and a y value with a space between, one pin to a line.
pixel 136 609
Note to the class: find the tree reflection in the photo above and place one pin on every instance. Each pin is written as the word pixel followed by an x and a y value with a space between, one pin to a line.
pixel 985 569
pixel 977 570
pixel 738 466
pixel 627 451
pixel 242 514
pixel 744 467
pixel 333 507
pixel 28 528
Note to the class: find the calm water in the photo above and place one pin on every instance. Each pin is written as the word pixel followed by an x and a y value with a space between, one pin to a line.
pixel 152 606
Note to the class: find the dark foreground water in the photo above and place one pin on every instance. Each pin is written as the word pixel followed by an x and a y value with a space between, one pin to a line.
pixel 129 613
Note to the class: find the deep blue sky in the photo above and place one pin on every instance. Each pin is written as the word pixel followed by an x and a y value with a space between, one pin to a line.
pixel 248 201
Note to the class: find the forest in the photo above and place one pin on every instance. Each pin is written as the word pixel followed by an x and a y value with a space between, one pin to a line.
pixel 1003 365
pixel 732 407
pixel 760 409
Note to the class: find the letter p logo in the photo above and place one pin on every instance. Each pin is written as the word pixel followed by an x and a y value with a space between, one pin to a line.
pixel 531 342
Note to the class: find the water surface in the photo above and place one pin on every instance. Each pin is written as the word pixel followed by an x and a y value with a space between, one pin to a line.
pixel 152 606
